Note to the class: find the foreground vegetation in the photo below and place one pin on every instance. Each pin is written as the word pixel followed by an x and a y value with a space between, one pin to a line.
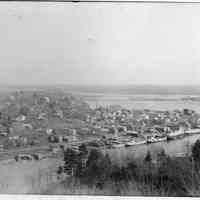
pixel 94 173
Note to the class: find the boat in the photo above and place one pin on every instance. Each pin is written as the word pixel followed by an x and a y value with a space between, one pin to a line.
pixel 161 139
pixel 116 142
pixel 192 131
pixel 118 145
pixel 133 143
pixel 156 139
pixel 175 135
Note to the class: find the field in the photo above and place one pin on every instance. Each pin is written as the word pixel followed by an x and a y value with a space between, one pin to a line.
pixel 27 177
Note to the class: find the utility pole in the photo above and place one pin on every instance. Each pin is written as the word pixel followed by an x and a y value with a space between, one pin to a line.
pixel 192 172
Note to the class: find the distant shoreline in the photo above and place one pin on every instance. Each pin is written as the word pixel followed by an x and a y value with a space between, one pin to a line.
pixel 115 89
pixel 144 97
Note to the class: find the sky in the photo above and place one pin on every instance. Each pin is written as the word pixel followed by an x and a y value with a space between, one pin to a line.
pixel 101 44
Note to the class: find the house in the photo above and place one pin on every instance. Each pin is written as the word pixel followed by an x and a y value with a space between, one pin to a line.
pixel 21 118
pixel 47 99
pixel 11 130
pixel 39 130
pixel 173 126
pixel 24 140
pixel 132 133
pixel 38 156
pixel 69 138
pixel 53 139
pixel 4 130
pixel 122 128
pixel 183 126
pixel 60 138
pixel 28 126
pixel 16 137
pixel 65 138
pixel 12 98
pixel 3 133
pixel 104 130
pixel 160 129
pixel 167 129
pixel 42 116
pixel 59 113
pixel 74 132
pixel 56 149
pixel 49 131
pixel 1 147
pixel 188 112
pixel 23 157
pixel 85 130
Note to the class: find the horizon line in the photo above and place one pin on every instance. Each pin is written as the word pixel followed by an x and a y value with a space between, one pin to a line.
pixel 111 1
pixel 98 85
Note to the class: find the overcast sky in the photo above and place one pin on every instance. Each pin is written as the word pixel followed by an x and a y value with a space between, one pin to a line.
pixel 66 43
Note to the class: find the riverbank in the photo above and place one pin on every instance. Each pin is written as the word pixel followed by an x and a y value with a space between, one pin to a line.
pixel 140 102
pixel 162 176
pixel 37 176
pixel 179 147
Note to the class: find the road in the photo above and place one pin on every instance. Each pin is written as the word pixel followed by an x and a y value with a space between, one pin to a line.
pixel 7 153
pixel 13 152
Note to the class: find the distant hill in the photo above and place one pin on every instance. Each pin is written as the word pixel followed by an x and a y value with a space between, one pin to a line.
pixel 136 89
pixel 33 104
pixel 119 89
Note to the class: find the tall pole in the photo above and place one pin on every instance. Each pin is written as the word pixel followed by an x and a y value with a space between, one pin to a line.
pixel 192 172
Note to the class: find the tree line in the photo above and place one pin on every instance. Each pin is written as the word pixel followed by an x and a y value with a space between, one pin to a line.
pixel 164 176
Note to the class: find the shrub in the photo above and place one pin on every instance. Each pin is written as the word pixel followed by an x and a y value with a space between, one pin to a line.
pixel 196 152
pixel 71 161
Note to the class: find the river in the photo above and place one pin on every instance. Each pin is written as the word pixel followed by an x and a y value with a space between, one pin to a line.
pixel 173 148
pixel 152 102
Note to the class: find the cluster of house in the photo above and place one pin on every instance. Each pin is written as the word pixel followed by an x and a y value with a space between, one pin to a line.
pixel 32 138
pixel 34 156
pixel 65 135
pixel 26 121
pixel 149 125
pixel 117 125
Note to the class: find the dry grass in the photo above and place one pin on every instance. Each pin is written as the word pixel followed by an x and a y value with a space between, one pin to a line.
pixel 72 188
pixel 27 177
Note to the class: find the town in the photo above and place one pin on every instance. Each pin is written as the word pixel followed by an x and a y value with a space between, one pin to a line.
pixel 122 127
pixel 34 123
